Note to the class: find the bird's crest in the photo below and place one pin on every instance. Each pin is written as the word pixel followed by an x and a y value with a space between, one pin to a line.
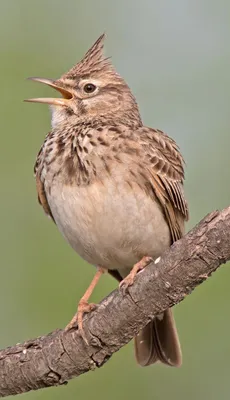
pixel 93 61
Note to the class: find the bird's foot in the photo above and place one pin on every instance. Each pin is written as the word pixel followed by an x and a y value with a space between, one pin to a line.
pixel 129 279
pixel 77 321
pixel 84 306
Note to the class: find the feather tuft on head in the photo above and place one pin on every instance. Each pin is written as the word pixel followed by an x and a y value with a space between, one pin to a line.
pixel 93 61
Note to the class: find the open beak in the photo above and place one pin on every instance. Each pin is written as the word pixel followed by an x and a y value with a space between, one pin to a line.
pixel 66 95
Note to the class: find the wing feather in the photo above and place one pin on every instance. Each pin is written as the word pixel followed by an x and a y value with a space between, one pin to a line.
pixel 165 166
pixel 42 199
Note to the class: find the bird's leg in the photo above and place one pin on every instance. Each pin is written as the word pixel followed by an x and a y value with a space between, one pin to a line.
pixel 129 279
pixel 84 306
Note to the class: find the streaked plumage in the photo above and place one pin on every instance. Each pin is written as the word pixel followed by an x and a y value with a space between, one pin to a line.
pixel 113 186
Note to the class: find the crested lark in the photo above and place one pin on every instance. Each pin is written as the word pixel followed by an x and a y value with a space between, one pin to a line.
pixel 113 187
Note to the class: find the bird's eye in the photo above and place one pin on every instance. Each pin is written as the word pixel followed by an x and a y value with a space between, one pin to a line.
pixel 89 88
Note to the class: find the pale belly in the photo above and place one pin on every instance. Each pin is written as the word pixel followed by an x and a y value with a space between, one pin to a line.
pixel 109 224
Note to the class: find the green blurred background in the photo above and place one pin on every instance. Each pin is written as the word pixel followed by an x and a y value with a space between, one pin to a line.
pixel 175 55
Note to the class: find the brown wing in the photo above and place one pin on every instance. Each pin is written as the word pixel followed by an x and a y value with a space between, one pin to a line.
pixel 164 165
pixel 156 165
pixel 42 199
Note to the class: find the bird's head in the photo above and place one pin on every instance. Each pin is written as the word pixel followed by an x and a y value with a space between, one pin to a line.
pixel 91 89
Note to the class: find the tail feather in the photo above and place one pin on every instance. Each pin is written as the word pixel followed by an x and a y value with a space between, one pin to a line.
pixel 159 341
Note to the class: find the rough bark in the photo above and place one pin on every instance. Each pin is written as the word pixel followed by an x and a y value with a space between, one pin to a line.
pixel 59 356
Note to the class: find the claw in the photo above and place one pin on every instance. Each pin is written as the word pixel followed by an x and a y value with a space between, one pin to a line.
pixel 129 279
pixel 77 320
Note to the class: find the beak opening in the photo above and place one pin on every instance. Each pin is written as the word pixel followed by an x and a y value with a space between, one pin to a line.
pixel 66 95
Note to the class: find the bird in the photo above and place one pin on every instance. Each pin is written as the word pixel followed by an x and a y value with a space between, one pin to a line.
pixel 113 187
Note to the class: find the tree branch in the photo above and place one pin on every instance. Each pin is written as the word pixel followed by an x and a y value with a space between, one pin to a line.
pixel 54 359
